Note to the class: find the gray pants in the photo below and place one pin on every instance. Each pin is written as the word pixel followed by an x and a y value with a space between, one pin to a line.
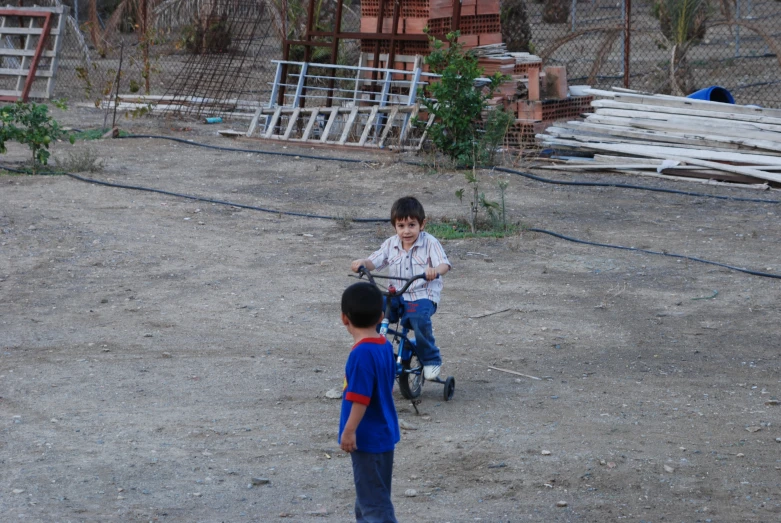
pixel 372 474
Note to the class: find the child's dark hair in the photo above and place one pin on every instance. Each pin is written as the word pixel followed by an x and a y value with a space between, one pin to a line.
pixel 362 304
pixel 407 207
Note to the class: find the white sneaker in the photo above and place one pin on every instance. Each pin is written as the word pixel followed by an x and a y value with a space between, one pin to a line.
pixel 431 372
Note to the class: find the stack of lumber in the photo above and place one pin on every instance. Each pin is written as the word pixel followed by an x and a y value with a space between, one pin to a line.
pixel 665 135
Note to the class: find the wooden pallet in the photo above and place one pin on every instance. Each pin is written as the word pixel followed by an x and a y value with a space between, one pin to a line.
pixel 30 40
pixel 350 126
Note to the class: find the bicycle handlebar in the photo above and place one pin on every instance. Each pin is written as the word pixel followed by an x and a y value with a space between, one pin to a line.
pixel 392 292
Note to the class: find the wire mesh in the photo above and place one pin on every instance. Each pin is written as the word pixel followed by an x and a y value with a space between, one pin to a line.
pixel 739 49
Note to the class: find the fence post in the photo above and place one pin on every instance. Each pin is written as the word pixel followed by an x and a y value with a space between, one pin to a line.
pixel 627 38
pixel 737 29
pixel 573 11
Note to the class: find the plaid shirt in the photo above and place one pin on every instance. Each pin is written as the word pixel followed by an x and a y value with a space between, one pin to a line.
pixel 425 252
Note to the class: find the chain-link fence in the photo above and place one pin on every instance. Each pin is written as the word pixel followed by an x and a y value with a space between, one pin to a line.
pixel 731 43
pixel 735 46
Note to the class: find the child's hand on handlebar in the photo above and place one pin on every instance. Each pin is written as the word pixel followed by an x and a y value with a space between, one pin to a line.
pixel 356 264
pixel 431 273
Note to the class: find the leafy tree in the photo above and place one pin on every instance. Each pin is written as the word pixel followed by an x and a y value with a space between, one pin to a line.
pixel 31 124
pixel 455 101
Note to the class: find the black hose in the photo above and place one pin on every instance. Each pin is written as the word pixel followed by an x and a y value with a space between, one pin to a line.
pixel 202 199
pixel 661 253
pixel 630 186
pixel 501 169
pixel 370 220
pixel 237 150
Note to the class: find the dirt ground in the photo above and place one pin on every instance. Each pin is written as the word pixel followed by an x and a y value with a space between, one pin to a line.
pixel 158 353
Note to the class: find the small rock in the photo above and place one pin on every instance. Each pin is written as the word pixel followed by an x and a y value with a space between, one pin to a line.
pixel 546 453
pixel 285 515
pixel 148 335
pixel 497 465
pixel 772 403
pixel 611 465
pixel 740 455
pixel 166 355
pixel 561 504
pixel 319 512
pixel 753 429
pixel 488 260
pixel 668 468
pixel 334 394
pixel 18 490
pixel 778 440
pixel 410 492
pixel 197 494
pixel 260 481
pixel 406 425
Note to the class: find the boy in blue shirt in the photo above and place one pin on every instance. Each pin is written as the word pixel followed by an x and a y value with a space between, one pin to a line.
pixel 369 426
pixel 410 252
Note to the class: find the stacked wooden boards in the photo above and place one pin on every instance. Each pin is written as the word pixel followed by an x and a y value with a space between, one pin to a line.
pixel 636 132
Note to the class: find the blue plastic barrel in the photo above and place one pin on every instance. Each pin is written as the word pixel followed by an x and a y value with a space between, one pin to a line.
pixel 713 93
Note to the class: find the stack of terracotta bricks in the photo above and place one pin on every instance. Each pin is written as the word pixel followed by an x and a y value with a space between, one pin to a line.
pixel 479 22
pixel 537 95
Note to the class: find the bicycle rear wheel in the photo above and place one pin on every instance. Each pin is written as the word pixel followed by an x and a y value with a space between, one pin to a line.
pixel 411 378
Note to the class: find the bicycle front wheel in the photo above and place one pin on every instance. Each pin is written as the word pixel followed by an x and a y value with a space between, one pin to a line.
pixel 411 378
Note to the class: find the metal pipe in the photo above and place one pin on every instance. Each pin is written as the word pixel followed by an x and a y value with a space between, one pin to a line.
pixel 572 13
pixel 627 39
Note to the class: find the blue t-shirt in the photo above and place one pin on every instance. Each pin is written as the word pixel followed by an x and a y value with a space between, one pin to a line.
pixel 368 380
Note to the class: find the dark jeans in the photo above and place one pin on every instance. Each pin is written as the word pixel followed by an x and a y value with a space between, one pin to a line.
pixel 416 315
pixel 372 474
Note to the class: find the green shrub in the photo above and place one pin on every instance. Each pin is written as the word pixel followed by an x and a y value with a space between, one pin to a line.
pixel 455 101
pixel 31 124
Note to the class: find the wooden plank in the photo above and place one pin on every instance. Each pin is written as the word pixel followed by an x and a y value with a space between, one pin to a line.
pixel 763 135
pixel 291 123
pixel 610 104
pixel 54 32
pixel 425 131
pixel 24 52
pixel 368 127
pixel 698 120
pixel 23 72
pixel 669 153
pixel 348 126
pixel 254 122
pixel 269 130
pixel 691 173
pixel 659 151
pixel 686 103
pixel 331 120
pixel 388 125
pixel 310 125
pixel 408 123
pixel 679 138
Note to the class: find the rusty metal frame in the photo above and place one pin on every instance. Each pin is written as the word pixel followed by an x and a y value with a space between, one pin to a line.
pixel 39 49
pixel 393 38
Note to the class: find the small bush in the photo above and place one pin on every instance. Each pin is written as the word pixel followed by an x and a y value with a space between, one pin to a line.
pixel 81 160
pixel 31 124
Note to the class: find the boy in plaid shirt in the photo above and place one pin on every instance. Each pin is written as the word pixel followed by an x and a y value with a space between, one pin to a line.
pixel 410 252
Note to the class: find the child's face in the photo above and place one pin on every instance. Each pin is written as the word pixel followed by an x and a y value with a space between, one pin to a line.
pixel 408 230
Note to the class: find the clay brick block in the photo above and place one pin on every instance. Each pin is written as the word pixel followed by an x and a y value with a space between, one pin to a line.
pixel 368 24
pixel 556 81
pixel 533 73
pixel 491 38
pixel 415 25
pixel 468 40
pixel 487 7
pixel 468 10
pixel 529 110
